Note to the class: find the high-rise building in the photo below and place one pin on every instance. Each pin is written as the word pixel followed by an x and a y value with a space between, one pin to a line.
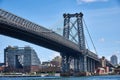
pixel 114 60
pixel 21 59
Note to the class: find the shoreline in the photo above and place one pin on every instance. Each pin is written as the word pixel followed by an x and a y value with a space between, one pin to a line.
pixel 46 76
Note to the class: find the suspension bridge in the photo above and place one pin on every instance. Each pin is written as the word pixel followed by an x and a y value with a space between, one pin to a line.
pixel 71 47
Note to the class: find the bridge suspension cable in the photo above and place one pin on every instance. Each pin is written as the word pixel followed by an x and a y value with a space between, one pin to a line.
pixel 86 43
pixel 89 36
pixel 57 26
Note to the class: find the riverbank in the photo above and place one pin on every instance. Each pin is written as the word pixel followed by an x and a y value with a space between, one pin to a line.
pixel 108 77
pixel 51 75
pixel 31 75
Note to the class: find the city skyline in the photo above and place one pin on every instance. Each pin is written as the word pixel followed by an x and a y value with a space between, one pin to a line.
pixel 104 14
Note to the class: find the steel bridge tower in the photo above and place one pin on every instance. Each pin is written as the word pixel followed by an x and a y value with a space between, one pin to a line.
pixel 78 26
pixel 73 30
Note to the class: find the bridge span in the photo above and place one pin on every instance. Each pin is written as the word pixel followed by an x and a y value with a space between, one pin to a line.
pixel 17 27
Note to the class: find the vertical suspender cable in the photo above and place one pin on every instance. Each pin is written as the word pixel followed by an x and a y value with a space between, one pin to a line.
pixel 87 43
pixel 90 36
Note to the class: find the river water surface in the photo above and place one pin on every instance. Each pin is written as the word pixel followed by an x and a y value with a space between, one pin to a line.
pixel 111 77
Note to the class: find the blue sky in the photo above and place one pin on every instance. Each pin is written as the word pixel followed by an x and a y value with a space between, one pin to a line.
pixel 101 16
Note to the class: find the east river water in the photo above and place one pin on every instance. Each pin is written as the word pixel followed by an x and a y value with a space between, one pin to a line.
pixel 109 77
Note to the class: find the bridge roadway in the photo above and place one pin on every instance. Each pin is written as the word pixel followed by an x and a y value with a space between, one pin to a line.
pixel 17 27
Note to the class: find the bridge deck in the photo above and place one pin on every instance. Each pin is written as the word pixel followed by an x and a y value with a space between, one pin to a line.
pixel 16 22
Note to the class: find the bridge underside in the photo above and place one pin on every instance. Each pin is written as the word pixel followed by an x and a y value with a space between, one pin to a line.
pixel 35 39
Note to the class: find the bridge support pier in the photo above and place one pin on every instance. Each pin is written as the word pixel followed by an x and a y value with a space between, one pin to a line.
pixel 76 64
pixel 65 63
pixel 66 59
pixel 88 64
pixel 80 66
pixel 93 66
pixel 85 63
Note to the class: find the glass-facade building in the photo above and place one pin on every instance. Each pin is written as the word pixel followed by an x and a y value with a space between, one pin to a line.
pixel 114 60
pixel 21 59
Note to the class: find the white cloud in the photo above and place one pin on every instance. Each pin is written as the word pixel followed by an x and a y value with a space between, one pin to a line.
pixel 101 40
pixel 90 1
